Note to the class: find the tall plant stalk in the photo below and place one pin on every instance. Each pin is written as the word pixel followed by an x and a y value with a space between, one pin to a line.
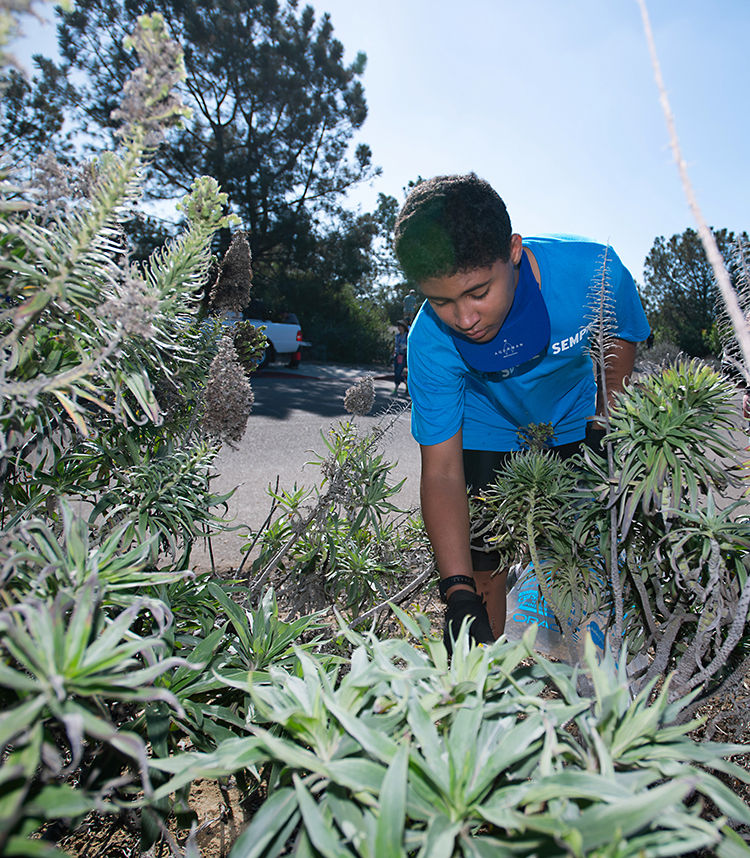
pixel 600 349
pixel 728 294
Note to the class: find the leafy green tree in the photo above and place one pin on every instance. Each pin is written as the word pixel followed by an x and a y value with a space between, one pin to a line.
pixel 274 105
pixel 340 295
pixel 275 110
pixel 680 292
pixel 384 272
pixel 390 286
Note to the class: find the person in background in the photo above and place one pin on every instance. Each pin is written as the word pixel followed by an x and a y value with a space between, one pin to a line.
pixel 399 355
pixel 410 305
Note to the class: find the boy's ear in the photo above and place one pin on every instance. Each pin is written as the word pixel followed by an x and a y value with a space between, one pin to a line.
pixel 516 248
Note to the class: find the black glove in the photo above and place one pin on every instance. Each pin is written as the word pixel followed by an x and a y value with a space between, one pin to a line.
pixel 464 603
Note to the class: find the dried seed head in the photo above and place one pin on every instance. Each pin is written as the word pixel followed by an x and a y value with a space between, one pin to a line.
pixel 58 187
pixel 359 398
pixel 231 290
pixel 229 397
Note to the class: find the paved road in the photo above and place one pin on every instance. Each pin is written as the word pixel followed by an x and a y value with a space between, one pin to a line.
pixel 290 411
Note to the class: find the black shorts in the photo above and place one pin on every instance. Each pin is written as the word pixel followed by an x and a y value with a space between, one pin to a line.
pixel 480 467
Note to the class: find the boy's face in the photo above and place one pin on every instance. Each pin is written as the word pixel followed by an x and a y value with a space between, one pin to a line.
pixel 475 303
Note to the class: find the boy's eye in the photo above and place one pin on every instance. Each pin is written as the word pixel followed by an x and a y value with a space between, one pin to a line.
pixel 479 297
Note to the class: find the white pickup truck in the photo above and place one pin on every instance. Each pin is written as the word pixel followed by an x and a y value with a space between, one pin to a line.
pixel 284 340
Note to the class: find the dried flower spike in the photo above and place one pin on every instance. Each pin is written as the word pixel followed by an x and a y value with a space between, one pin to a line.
pixel 148 101
pixel 231 291
pixel 132 308
pixel 229 397
pixel 359 398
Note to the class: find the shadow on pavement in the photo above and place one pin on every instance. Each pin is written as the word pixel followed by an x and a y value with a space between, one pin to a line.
pixel 277 396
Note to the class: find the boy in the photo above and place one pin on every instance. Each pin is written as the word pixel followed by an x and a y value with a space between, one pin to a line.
pixel 498 344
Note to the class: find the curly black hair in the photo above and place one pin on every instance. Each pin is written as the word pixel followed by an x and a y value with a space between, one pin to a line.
pixel 451 224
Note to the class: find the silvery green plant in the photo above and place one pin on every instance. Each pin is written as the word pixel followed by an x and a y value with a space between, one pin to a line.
pixel 113 668
pixel 346 539
pixel 103 367
pixel 102 656
pixel 408 754
pixel 533 506
pixel 645 533
pixel 601 346
pixel 104 476
pixel 734 306
pixel 683 557
pixel 63 661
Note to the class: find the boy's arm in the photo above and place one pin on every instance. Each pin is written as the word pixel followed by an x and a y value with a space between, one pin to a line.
pixel 620 363
pixel 445 507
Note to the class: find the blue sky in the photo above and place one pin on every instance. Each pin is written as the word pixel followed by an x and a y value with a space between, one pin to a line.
pixel 554 103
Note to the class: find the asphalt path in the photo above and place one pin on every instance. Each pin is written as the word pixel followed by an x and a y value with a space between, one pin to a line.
pixel 283 436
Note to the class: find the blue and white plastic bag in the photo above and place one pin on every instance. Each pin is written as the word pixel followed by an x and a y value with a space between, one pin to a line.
pixel 526 605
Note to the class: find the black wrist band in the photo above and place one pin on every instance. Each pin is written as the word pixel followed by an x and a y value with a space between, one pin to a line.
pixel 447 583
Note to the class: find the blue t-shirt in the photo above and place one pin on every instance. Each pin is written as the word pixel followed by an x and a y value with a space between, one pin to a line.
pixel 558 387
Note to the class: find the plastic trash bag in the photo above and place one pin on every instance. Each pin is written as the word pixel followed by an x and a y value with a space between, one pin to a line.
pixel 525 605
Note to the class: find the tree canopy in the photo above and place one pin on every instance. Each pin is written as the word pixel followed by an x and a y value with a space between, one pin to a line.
pixel 32 112
pixel 274 112
pixel 680 291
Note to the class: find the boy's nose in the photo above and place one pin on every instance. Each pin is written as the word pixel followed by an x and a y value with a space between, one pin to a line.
pixel 466 318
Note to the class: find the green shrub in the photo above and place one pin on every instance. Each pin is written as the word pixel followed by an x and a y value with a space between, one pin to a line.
pixel 347 543
pixel 348 331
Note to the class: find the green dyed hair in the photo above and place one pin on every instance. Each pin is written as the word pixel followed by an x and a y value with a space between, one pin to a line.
pixel 450 224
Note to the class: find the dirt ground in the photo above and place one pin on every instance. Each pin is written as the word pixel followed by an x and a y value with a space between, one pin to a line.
pixel 222 816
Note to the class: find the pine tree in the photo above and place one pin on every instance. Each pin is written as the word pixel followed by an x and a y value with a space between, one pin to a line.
pixel 680 291
pixel 275 109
